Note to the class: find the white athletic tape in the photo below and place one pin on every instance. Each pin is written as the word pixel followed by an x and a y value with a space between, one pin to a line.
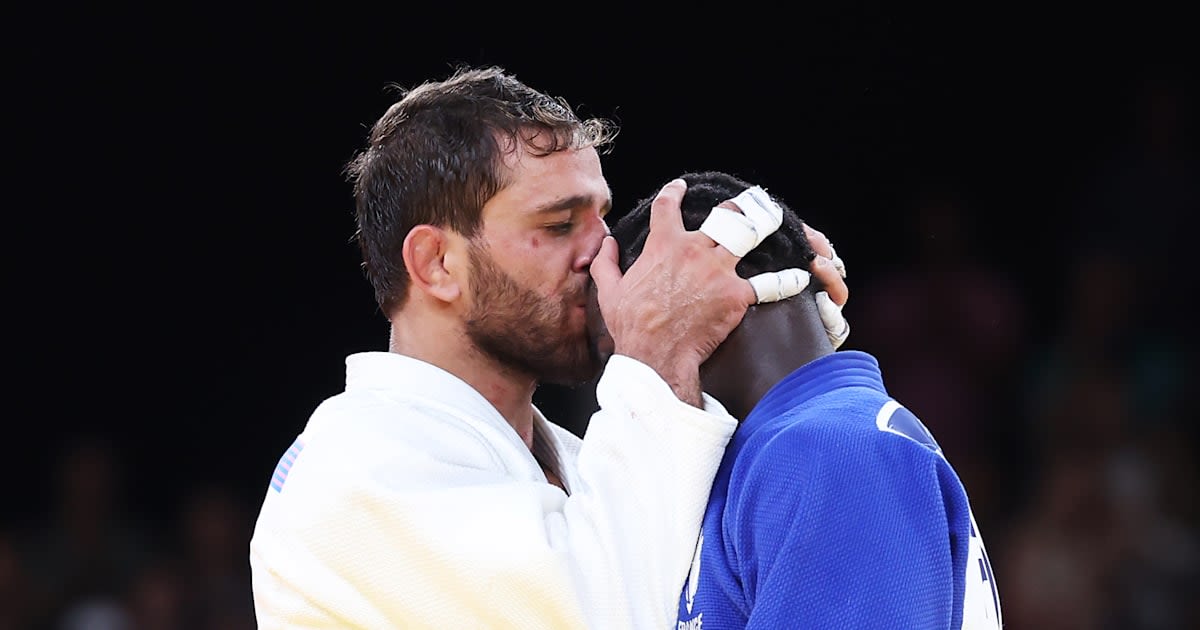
pixel 757 205
pixel 837 261
pixel 731 230
pixel 836 326
pixel 840 265
pixel 740 232
pixel 779 285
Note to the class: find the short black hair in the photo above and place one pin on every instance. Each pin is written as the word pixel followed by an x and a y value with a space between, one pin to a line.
pixel 786 247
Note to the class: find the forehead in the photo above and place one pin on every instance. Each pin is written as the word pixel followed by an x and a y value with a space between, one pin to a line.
pixel 538 181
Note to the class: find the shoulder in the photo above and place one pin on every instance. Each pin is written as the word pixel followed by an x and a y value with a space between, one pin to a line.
pixel 893 418
pixel 849 416
pixel 387 435
pixel 842 437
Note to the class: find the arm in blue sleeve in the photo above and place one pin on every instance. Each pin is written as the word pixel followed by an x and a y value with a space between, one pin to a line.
pixel 831 529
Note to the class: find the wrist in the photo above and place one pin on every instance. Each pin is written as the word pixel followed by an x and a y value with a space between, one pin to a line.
pixel 681 373
pixel 687 388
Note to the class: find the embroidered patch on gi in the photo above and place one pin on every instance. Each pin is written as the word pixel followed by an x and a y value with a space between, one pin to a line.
pixel 285 465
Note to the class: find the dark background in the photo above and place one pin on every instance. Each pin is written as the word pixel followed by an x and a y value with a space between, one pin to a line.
pixel 181 250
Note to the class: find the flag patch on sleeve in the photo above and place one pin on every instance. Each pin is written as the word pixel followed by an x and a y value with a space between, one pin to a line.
pixel 285 465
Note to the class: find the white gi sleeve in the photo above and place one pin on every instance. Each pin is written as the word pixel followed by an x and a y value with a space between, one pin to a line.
pixel 421 518
pixel 647 463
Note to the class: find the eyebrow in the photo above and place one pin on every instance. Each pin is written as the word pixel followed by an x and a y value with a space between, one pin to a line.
pixel 572 202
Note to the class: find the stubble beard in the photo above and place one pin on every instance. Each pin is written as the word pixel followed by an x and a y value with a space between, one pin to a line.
pixel 525 331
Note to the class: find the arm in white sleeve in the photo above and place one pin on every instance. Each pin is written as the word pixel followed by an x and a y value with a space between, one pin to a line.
pixel 647 463
pixel 427 519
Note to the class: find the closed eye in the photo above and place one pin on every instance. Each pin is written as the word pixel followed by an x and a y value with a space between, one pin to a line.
pixel 561 228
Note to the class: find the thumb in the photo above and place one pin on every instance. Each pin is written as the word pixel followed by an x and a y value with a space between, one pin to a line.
pixel 605 271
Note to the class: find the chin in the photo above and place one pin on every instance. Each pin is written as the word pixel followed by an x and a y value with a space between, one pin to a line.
pixel 584 366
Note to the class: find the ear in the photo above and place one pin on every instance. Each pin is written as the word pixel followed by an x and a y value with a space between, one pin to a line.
pixel 425 256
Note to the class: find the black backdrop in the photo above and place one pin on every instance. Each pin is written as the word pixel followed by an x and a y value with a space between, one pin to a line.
pixel 181 258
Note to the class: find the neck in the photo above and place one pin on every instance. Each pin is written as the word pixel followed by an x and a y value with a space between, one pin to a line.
pixel 441 342
pixel 772 341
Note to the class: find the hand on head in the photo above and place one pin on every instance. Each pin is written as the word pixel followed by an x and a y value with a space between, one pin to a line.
pixel 682 296
pixel 680 299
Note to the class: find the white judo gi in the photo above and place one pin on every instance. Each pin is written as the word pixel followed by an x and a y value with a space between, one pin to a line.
pixel 409 502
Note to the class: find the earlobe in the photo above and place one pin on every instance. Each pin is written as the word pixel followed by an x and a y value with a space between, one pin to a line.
pixel 425 251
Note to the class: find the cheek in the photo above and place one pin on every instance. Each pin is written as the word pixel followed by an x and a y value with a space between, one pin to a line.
pixel 548 256
pixel 543 248
pixel 538 262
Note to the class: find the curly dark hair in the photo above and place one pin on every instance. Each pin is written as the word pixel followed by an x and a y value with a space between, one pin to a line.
pixel 787 247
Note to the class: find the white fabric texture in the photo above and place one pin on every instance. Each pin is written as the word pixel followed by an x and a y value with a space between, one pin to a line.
pixel 409 502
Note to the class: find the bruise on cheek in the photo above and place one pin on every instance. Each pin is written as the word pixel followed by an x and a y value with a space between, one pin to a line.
pixel 534 242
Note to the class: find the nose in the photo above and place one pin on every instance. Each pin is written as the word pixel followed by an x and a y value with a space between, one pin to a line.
pixel 593 234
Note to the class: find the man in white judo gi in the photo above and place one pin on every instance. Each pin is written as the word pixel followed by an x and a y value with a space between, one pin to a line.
pixel 431 493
